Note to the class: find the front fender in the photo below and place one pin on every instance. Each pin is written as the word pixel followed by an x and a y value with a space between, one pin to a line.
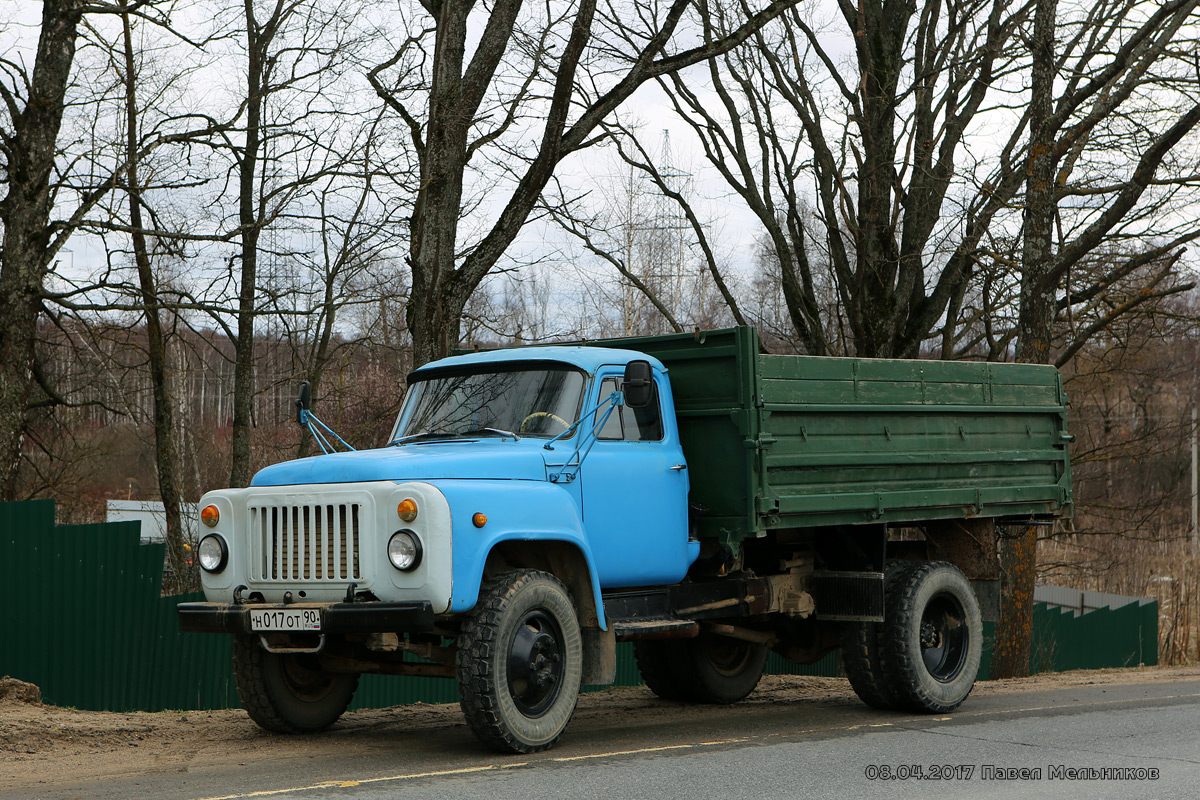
pixel 516 511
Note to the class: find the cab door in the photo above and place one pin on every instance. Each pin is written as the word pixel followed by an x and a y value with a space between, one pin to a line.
pixel 635 485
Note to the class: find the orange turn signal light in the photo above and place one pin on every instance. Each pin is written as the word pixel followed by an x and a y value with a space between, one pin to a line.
pixel 210 516
pixel 479 520
pixel 407 509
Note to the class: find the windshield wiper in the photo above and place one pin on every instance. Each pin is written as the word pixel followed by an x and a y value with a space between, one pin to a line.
pixel 416 437
pixel 492 431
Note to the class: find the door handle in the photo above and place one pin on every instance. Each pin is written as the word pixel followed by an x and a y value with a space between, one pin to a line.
pixel 679 466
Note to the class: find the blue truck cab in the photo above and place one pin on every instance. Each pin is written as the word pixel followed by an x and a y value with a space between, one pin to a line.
pixel 529 464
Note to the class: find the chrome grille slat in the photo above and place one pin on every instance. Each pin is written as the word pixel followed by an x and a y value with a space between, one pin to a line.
pixel 276 544
pixel 337 540
pixel 326 520
pixel 310 543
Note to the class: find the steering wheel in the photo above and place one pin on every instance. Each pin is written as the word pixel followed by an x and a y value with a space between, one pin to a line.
pixel 536 414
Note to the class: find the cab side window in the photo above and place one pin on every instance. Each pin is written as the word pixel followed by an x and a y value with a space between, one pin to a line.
pixel 631 424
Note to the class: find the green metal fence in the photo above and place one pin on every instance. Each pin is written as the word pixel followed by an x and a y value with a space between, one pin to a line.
pixel 1100 639
pixel 85 622
pixel 1121 637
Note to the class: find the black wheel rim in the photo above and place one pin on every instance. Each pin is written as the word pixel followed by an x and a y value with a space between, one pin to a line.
pixel 535 663
pixel 944 636
pixel 729 657
pixel 304 679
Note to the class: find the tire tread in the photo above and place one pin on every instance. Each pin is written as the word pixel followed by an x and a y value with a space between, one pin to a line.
pixel 903 669
pixel 477 642
pixel 862 651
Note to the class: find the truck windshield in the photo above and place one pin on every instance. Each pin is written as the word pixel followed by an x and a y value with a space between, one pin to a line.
pixel 541 402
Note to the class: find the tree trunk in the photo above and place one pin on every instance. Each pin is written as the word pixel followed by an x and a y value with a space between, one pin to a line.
pixel 25 214
pixel 164 449
pixel 880 31
pixel 1018 553
pixel 257 41
pixel 433 324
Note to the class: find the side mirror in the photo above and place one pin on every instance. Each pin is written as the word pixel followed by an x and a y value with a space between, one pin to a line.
pixel 303 401
pixel 639 384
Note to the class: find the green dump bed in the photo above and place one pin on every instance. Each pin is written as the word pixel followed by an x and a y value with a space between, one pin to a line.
pixel 801 441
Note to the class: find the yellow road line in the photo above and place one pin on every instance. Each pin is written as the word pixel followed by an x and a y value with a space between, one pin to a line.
pixel 347 783
pixel 464 770
pixel 659 749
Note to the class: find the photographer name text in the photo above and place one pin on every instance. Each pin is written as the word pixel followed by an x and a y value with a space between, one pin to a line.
pixel 997 772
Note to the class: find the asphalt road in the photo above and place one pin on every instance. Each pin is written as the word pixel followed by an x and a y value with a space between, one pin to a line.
pixel 1127 741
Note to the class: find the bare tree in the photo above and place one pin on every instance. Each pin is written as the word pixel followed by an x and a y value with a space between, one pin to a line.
pixel 295 51
pixel 354 233
pixel 579 63
pixel 164 430
pixel 38 187
pixel 849 174
pixel 34 105
pixel 872 174
pixel 647 225
pixel 1060 131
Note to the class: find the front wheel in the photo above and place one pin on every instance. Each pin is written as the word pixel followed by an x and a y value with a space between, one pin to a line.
pixel 932 638
pixel 520 662
pixel 288 693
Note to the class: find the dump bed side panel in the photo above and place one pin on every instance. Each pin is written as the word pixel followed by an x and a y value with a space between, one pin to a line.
pixel 858 440
pixel 801 441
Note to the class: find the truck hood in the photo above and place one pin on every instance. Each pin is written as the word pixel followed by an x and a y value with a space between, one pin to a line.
pixel 478 459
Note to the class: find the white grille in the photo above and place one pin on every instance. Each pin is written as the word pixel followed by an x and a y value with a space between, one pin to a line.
pixel 306 543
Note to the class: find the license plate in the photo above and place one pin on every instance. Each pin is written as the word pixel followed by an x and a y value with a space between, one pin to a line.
pixel 281 619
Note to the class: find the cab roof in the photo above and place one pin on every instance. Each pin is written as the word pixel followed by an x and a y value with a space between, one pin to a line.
pixel 589 359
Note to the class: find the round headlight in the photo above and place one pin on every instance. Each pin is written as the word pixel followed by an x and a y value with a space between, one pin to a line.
pixel 404 550
pixel 212 553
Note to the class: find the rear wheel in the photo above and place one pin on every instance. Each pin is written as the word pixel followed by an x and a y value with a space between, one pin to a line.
pixel 932 640
pixel 286 692
pixel 862 653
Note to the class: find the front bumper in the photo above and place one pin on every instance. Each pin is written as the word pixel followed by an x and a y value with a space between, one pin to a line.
pixel 336 618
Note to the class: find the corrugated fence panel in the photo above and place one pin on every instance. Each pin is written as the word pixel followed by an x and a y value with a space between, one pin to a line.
pixel 87 625
pixel 1100 639
pixel 1122 637
pixel 31 584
